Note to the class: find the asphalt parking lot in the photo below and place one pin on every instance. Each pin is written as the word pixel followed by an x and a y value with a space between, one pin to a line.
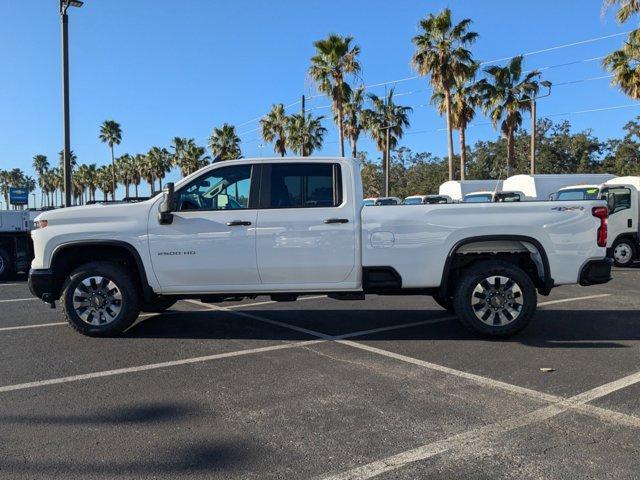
pixel 389 388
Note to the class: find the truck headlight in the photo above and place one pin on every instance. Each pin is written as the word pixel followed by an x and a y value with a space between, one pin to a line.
pixel 40 223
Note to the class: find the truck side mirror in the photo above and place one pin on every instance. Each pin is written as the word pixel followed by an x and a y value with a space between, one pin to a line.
pixel 168 205
pixel 611 202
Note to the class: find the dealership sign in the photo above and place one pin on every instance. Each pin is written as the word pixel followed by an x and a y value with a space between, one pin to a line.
pixel 18 196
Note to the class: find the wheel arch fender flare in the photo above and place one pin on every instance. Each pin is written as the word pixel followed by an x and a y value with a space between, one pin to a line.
pixel 147 290
pixel 544 270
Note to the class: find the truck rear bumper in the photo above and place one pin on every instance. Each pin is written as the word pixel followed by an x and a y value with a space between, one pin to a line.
pixel 41 284
pixel 595 272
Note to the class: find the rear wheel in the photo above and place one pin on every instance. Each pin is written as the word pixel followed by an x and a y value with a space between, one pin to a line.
pixel 100 299
pixel 624 252
pixel 5 264
pixel 495 299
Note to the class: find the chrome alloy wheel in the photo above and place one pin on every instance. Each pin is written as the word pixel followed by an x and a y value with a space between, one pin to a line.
pixel 97 300
pixel 622 253
pixel 497 301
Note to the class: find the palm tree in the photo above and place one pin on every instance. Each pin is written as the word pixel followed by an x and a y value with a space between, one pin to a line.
pixel 305 134
pixel 386 122
pixel 195 158
pixel 625 11
pixel 141 168
pixel 147 171
pixel 5 183
pixel 353 122
pixel 464 100
pixel 441 53
pixel 625 66
pixel 274 128
pixel 224 143
pixel 104 180
pixel 334 59
pixel 111 134
pixel 505 95
pixel 91 180
pixel 124 171
pixel 159 163
pixel 41 166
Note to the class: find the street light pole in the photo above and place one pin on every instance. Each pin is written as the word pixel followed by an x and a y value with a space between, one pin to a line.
pixel 66 152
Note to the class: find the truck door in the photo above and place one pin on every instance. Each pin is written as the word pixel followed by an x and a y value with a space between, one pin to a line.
pixel 622 218
pixel 210 245
pixel 306 227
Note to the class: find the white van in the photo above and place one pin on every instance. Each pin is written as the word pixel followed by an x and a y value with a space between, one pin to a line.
pixel 540 187
pixel 457 189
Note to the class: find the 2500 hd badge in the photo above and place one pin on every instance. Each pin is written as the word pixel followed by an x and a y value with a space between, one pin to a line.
pixel 190 252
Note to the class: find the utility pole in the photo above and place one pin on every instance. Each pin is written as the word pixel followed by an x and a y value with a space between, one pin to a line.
pixel 66 152
pixel 533 100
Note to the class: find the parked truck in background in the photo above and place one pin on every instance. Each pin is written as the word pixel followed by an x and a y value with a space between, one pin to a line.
pixel 623 242
pixel 541 186
pixel 297 226
pixel 16 247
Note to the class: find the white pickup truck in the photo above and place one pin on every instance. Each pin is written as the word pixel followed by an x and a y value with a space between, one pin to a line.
pixel 297 226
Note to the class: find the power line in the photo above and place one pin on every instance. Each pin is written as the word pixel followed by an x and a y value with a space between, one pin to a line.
pixel 414 77
pixel 576 112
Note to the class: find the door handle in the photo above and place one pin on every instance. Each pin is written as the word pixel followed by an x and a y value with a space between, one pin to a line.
pixel 336 220
pixel 237 223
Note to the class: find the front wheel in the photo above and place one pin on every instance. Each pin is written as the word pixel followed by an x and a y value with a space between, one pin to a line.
pixel 100 299
pixel 624 252
pixel 495 299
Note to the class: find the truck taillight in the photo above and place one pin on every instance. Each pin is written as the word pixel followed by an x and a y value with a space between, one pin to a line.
pixel 601 236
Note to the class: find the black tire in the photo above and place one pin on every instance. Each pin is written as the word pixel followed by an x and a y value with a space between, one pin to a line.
pixel 157 305
pixel 520 298
pixel 444 302
pixel 626 252
pixel 128 304
pixel 6 264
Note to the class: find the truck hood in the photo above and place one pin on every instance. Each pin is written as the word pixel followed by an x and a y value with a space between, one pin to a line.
pixel 97 213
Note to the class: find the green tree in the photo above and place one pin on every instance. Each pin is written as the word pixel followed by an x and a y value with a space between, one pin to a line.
pixel 159 160
pixel 353 122
pixel 125 171
pixel 41 167
pixel 442 54
pixel 505 95
pixel 626 9
pixel 274 126
pixel 385 121
pixel 335 58
pixel 305 134
pixel 624 64
pixel 464 100
pixel 224 143
pixel 111 134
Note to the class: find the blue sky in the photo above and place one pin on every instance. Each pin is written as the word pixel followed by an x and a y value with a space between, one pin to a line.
pixel 178 68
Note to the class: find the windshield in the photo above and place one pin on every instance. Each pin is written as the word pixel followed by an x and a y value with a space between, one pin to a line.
pixel 578 194
pixel 386 201
pixel 479 198
pixel 433 200
pixel 507 197
pixel 412 201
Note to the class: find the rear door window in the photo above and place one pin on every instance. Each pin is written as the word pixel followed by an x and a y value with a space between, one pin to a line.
pixel 302 185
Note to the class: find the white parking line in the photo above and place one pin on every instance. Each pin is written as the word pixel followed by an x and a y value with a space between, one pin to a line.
pixel 574 299
pixel 38 325
pixel 463 440
pixel 20 299
pixel 153 366
pixel 9 284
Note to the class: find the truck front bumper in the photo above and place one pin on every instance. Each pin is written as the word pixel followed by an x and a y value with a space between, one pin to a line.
pixel 41 284
pixel 595 272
